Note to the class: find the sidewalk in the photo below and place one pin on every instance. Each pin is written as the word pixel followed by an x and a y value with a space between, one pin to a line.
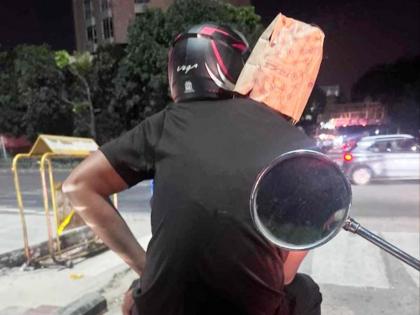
pixel 58 286
pixel 44 291
pixel 355 278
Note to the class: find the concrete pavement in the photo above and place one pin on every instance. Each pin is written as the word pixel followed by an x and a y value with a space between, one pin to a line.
pixel 355 277
pixel 43 291
pixel 58 286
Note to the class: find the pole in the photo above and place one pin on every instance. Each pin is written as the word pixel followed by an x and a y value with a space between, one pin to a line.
pixel 20 205
pixel 3 147
pixel 353 226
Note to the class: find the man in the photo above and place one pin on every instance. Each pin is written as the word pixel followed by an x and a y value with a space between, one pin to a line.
pixel 204 153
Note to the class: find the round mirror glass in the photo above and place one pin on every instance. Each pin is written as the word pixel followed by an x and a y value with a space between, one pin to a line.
pixel 301 200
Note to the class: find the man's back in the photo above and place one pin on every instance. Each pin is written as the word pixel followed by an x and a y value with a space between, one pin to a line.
pixel 205 253
pixel 205 256
pixel 211 152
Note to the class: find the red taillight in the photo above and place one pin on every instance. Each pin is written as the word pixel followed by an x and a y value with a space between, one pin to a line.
pixel 348 157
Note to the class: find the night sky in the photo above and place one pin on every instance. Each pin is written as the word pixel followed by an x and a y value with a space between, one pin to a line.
pixel 359 33
pixel 37 22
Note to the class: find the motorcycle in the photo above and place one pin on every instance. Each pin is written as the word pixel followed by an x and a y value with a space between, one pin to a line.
pixel 302 200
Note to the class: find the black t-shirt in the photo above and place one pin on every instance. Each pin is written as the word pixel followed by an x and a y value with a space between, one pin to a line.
pixel 205 252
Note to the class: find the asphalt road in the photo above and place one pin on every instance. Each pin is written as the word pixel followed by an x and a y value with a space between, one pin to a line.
pixel 136 199
pixel 389 199
pixel 386 206
pixel 381 199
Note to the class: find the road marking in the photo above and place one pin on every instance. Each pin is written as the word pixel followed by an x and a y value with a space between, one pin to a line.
pixel 335 309
pixel 26 211
pixel 410 243
pixel 349 260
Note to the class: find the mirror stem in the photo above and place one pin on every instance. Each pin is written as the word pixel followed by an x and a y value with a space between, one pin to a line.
pixel 353 226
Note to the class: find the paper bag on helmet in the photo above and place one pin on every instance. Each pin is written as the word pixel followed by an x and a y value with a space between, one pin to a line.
pixel 283 66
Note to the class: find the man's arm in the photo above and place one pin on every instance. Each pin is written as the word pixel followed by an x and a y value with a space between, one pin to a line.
pixel 88 187
pixel 291 265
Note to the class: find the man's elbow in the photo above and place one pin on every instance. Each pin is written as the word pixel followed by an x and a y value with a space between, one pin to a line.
pixel 78 192
pixel 71 187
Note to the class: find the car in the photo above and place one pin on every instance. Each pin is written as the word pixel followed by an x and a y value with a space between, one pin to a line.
pixel 382 157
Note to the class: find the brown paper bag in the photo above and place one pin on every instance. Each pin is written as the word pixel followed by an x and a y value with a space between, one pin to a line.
pixel 283 66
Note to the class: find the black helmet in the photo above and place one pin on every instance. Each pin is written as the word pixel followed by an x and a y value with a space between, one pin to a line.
pixel 205 62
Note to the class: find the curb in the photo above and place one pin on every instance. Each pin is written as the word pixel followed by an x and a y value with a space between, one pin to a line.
pixel 17 257
pixel 90 304
pixel 94 303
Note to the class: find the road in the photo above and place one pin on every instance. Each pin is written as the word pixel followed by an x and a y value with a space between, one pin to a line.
pixel 355 276
pixel 134 205
pixel 384 207
pixel 381 199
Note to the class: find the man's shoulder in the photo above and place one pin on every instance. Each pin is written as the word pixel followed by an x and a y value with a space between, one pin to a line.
pixel 245 102
pixel 237 101
pixel 156 118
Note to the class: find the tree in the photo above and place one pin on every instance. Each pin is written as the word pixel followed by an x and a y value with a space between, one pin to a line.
pixel 199 11
pixel 397 86
pixel 106 94
pixel 104 70
pixel 11 112
pixel 79 66
pixel 246 21
pixel 241 18
pixel 141 86
pixel 89 90
pixel 32 102
pixel 46 92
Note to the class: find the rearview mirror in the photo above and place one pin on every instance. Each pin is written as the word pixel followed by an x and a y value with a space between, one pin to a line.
pixel 301 200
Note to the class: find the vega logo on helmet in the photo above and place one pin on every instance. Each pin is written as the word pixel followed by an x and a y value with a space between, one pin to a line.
pixel 187 68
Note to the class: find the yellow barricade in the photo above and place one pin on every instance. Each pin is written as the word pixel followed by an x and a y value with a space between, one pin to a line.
pixel 46 149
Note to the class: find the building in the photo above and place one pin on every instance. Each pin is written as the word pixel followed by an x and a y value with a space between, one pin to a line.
pixel 331 90
pixel 332 93
pixel 353 114
pixel 99 22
